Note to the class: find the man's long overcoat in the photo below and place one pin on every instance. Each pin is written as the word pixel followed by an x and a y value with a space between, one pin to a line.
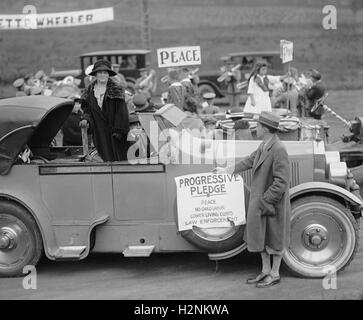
pixel 270 181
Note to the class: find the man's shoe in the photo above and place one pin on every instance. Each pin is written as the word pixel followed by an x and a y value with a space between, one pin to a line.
pixel 259 278
pixel 268 281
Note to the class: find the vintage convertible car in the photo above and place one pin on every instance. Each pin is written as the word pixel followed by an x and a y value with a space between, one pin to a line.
pixel 65 206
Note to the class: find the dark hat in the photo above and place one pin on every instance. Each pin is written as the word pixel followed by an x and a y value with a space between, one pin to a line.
pixel 102 65
pixel 269 119
pixel 315 74
pixel 209 95
pixel 140 102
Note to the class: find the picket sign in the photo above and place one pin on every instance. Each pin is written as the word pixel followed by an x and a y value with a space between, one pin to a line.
pixel 207 200
pixel 286 51
pixel 179 56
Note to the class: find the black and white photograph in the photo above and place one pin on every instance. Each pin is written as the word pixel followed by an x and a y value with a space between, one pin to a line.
pixel 181 154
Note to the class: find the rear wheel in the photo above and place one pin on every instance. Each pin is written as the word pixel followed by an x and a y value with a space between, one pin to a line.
pixel 20 240
pixel 324 237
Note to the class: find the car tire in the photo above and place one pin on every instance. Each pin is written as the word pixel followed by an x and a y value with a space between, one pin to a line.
pixel 217 240
pixel 20 240
pixel 204 88
pixel 324 237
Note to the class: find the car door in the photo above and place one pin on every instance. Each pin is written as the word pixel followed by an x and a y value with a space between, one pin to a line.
pixel 139 192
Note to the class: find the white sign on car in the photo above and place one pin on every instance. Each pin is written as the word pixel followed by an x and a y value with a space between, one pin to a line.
pixel 208 200
pixel 179 56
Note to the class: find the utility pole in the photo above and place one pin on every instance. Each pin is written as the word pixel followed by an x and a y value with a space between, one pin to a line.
pixel 145 25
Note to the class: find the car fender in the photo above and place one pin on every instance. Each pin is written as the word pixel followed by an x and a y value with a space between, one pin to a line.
pixel 41 217
pixel 327 188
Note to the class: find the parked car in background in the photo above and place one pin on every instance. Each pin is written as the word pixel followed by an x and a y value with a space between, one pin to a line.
pixel 65 205
pixel 130 62
pixel 208 80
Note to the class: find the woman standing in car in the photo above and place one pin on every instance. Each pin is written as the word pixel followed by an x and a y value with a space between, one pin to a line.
pixel 106 112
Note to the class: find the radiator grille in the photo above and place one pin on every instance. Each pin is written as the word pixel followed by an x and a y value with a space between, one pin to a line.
pixel 294 175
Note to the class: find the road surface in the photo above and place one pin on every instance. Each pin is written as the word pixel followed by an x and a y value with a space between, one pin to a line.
pixel 175 276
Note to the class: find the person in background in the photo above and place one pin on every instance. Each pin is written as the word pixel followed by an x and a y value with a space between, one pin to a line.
pixel 41 78
pixel 105 111
pixel 313 94
pixel 146 83
pixel 29 82
pixel 259 89
pixel 210 108
pixel 268 216
pixel 176 91
pixel 72 135
pixel 119 78
pixel 242 130
pixel 234 77
pixel 19 85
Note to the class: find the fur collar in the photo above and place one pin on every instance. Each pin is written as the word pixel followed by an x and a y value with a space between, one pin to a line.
pixel 113 90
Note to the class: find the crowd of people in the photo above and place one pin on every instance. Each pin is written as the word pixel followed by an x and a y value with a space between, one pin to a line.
pixel 109 109
pixel 42 84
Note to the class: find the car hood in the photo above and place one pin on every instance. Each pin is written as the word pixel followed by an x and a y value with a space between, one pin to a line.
pixel 33 121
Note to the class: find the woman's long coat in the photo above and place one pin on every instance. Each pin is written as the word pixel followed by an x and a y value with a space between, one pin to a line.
pixel 109 125
pixel 270 181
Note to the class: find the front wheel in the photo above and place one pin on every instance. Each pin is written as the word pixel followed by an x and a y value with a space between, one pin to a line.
pixel 20 240
pixel 324 237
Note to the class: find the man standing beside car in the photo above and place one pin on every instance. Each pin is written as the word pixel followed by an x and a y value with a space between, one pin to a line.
pixel 268 216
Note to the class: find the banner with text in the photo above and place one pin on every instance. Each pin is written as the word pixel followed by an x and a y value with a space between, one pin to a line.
pixel 33 20
pixel 179 56
pixel 209 200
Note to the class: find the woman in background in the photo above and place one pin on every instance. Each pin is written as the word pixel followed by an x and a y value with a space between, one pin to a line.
pixel 259 85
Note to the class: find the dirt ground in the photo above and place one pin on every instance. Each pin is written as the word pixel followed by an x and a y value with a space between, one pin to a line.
pixel 177 277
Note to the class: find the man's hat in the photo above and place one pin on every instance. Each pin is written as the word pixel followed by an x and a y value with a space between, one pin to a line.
pixel 315 74
pixel 209 95
pixel 39 74
pixel 269 119
pixel 18 83
pixel 140 102
pixel 102 65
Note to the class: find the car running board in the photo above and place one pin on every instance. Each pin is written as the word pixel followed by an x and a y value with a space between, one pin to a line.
pixel 227 254
pixel 138 251
pixel 70 252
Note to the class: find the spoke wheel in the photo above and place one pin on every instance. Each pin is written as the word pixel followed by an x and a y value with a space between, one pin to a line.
pixel 20 240
pixel 324 237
